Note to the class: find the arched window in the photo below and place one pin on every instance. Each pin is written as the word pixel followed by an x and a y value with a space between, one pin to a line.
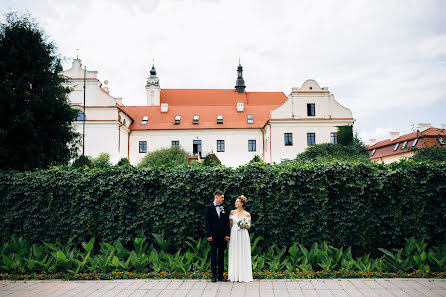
pixel 80 116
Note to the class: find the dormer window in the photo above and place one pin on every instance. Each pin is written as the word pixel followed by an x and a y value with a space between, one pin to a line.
pixel 373 152
pixel 196 119
pixel 404 145
pixel 177 119
pixel 219 119
pixel 441 140
pixel 415 142
pixel 144 120
pixel 250 119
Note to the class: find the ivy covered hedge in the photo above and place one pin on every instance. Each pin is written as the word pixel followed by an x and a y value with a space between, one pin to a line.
pixel 360 205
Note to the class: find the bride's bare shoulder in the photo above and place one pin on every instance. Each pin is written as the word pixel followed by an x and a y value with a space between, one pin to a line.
pixel 248 214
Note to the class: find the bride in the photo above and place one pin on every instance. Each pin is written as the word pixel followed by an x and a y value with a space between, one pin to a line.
pixel 239 262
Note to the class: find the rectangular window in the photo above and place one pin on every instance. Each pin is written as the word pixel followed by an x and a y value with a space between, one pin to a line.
pixel 196 119
pixel 440 140
pixel 311 110
pixel 175 143
pixel 219 119
pixel 252 145
pixel 373 152
pixel 144 120
pixel 334 137
pixel 220 145
pixel 415 142
pixel 396 146
pixel 288 139
pixel 143 146
pixel 311 138
pixel 250 119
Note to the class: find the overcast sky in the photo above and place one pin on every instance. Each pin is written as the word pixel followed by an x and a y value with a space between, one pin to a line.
pixel 385 60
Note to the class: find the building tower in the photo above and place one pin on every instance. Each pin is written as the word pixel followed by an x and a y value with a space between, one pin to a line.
pixel 153 89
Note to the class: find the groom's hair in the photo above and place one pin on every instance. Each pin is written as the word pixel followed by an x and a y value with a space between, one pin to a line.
pixel 218 193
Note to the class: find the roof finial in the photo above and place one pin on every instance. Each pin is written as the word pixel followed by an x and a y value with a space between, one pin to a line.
pixel 77 53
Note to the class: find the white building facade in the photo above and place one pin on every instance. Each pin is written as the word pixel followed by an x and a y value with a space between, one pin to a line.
pixel 233 124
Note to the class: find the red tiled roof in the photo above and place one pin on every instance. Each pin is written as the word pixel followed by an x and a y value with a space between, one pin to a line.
pixel 207 104
pixel 386 147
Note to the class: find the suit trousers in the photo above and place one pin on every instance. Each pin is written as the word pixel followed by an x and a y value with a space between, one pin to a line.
pixel 218 258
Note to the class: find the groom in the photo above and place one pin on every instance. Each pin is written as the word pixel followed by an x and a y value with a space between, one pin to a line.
pixel 217 233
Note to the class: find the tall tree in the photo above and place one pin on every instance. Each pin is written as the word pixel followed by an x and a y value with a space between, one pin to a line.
pixel 35 116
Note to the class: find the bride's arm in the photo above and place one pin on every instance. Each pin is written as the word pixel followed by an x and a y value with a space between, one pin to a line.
pixel 230 221
pixel 249 216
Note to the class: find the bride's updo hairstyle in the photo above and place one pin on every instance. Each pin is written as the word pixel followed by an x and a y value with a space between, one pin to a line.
pixel 243 200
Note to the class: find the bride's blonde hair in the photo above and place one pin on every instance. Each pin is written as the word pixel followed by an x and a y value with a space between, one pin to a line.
pixel 243 200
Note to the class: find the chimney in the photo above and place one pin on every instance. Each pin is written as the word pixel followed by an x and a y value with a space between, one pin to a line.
pixel 424 126
pixel 394 135
pixel 372 141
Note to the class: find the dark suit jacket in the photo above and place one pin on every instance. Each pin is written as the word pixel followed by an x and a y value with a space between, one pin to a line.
pixel 217 227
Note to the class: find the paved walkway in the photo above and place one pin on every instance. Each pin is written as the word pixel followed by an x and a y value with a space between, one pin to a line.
pixel 204 288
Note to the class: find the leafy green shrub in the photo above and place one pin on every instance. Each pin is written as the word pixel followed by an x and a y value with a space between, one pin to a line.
pixel 211 160
pixel 124 162
pixel 101 161
pixel 330 152
pixel 363 205
pixel 430 154
pixel 146 255
pixel 83 161
pixel 256 159
pixel 167 157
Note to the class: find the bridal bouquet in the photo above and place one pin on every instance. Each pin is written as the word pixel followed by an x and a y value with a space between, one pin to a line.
pixel 244 223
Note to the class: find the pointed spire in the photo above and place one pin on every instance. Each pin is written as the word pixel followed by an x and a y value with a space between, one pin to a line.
pixel 240 82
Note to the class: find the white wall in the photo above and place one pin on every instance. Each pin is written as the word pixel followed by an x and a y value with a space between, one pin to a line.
pixel 236 143
pixel 299 129
pixel 100 137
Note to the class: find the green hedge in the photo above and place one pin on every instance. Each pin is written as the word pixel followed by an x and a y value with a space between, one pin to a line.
pixel 361 205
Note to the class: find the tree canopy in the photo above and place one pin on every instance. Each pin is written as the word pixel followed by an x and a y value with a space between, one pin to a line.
pixel 430 154
pixel 35 117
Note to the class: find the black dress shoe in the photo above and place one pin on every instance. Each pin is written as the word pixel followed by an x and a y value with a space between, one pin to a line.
pixel 214 280
pixel 222 279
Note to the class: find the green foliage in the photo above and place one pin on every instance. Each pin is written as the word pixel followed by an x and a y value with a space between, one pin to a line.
pixel 147 255
pixel 211 160
pixel 166 157
pixel 83 162
pixel 330 152
pixel 363 205
pixel 124 162
pixel 256 159
pixel 345 135
pixel 35 130
pixel 430 154
pixel 101 161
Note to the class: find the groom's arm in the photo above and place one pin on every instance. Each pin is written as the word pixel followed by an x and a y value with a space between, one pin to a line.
pixel 207 220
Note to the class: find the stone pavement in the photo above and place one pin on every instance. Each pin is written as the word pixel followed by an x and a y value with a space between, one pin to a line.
pixel 204 288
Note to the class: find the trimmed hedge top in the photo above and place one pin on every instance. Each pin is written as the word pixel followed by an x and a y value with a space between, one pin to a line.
pixel 361 205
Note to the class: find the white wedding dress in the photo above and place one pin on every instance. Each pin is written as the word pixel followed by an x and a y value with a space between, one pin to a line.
pixel 239 262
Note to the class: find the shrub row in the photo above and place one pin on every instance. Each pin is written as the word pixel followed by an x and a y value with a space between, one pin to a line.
pixel 19 257
pixel 365 206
